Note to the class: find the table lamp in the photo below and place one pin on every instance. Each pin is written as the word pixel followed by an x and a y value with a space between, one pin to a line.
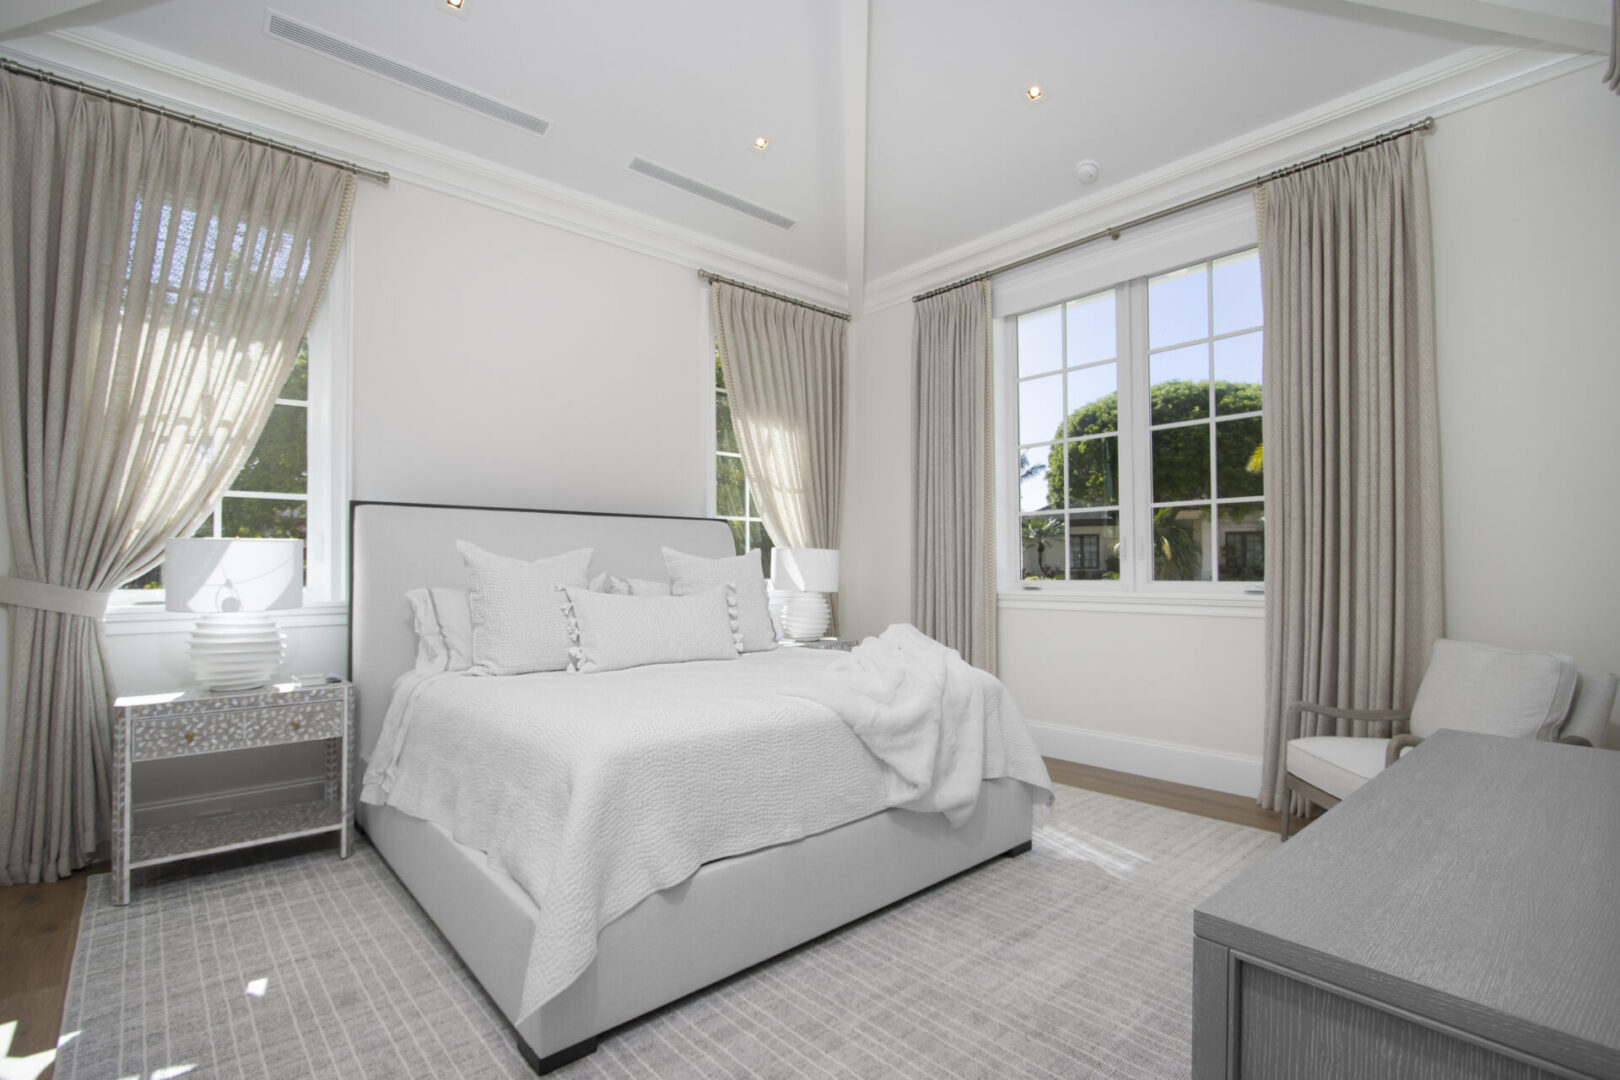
pixel 232 583
pixel 805 576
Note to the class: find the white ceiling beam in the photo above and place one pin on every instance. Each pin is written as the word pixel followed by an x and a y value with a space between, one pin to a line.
pixel 855 35
pixel 17 20
pixel 1581 25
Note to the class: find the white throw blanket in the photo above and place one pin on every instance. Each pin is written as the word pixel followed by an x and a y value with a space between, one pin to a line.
pixel 938 724
pixel 595 791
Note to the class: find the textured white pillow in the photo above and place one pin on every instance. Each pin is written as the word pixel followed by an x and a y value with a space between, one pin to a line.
pixel 1493 691
pixel 633 587
pixel 443 629
pixel 517 623
pixel 608 632
pixel 693 573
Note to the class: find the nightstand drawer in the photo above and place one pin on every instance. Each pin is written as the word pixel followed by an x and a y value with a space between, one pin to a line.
pixel 177 736
pixel 292 723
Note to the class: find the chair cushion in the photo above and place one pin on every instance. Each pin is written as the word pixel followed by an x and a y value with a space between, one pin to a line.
pixel 1336 764
pixel 1493 691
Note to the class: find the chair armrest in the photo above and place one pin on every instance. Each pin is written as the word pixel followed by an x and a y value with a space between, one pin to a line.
pixel 1392 752
pixel 1575 740
pixel 1372 716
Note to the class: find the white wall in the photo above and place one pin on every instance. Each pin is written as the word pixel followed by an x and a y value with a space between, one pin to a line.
pixel 1526 219
pixel 1526 197
pixel 499 361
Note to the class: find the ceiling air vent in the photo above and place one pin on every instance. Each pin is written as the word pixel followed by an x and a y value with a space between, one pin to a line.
pixel 713 194
pixel 347 52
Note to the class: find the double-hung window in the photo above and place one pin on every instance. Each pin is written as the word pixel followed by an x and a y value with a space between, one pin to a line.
pixel 1138 428
pixel 295 482
pixel 733 500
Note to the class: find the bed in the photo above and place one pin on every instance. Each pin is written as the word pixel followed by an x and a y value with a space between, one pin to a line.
pixel 729 915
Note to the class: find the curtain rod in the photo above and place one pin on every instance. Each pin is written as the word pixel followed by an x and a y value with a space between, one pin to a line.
pixel 709 275
pixel 146 106
pixel 1425 125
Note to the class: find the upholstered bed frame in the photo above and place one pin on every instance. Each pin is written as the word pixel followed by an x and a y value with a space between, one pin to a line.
pixel 731 914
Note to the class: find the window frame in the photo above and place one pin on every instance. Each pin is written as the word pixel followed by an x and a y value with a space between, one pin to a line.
pixel 328 437
pixel 1135 588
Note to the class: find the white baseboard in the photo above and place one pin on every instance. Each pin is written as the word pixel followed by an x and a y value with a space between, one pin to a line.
pixel 189 808
pixel 1235 774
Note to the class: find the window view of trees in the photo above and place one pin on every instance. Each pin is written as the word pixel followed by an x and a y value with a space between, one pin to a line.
pixel 732 499
pixel 270 496
pixel 1182 476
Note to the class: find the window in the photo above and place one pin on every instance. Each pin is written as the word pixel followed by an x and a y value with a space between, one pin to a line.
pixel 733 501
pixel 270 496
pixel 1139 431
pixel 295 482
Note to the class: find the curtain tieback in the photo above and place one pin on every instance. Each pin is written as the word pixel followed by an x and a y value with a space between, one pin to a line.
pixel 19 592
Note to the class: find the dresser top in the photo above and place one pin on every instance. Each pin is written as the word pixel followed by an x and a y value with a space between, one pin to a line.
pixel 275 693
pixel 1476 881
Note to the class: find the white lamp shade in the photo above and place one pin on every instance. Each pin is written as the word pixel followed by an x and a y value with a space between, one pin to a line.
pixel 805 569
pixel 211 576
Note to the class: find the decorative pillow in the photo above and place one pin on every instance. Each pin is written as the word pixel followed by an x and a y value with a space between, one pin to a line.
pixel 517 624
pixel 693 573
pixel 443 629
pixel 608 632
pixel 1493 691
pixel 634 587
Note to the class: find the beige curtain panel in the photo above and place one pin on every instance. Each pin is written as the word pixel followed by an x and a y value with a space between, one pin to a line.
pixel 1353 557
pixel 784 369
pixel 153 291
pixel 953 578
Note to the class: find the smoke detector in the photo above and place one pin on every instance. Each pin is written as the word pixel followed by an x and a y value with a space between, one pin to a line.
pixel 1087 171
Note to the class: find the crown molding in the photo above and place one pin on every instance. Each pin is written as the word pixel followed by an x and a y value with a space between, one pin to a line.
pixel 1463 80
pixel 162 77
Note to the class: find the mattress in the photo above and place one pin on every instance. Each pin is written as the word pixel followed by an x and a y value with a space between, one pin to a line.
pixel 592 792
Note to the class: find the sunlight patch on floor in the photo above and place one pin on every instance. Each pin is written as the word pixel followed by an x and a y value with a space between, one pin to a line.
pixel 26 1067
pixel 1106 855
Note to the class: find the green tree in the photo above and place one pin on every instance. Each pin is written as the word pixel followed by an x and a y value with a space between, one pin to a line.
pixel 1042 532
pixel 1180 460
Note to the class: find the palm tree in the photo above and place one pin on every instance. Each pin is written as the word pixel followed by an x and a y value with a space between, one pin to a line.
pixel 1041 531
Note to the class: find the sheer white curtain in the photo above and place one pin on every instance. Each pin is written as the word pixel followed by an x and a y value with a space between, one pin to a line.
pixel 784 369
pixel 953 595
pixel 155 285
pixel 1353 555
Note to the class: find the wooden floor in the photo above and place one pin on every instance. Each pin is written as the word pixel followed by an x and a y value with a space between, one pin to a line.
pixel 39 924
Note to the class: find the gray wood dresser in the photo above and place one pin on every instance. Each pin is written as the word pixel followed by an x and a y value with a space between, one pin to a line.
pixel 1457 917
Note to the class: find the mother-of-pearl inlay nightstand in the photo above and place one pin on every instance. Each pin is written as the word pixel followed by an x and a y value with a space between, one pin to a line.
pixel 195 722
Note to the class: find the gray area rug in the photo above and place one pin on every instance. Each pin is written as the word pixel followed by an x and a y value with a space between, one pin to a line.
pixel 1074 960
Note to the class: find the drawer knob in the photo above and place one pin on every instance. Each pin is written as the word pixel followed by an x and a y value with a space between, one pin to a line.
pixel 296 724
pixel 190 735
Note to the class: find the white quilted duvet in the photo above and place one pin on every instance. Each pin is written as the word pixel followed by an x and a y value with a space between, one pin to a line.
pixel 594 792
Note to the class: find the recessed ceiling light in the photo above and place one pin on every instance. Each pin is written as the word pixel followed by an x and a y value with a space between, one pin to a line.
pixel 761 143
pixel 456 4
pixel 1034 93
pixel 454 7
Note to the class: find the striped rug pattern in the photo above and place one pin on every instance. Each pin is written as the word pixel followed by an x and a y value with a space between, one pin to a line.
pixel 1074 960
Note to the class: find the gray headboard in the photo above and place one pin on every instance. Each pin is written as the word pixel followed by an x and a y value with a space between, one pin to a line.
pixel 395 547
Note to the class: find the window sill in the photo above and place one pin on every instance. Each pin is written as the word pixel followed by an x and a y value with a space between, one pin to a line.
pixel 125 619
pixel 1224 605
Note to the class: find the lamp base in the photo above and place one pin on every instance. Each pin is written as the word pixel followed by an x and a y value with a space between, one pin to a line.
pixel 806 616
pixel 236 651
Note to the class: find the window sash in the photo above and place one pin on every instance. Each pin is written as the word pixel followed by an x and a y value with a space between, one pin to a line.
pixel 1135 430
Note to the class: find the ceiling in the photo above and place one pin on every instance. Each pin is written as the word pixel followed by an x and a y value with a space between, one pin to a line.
pixel 954 149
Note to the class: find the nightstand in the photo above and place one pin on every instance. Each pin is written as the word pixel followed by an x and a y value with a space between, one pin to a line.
pixel 196 722
pixel 842 644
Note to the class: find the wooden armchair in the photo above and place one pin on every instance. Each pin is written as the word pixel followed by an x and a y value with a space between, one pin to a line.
pixel 1467 686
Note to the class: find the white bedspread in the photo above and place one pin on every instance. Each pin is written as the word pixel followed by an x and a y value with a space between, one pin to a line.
pixel 595 791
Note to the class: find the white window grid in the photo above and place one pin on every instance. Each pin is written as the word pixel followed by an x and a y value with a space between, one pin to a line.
pixel 1134 508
